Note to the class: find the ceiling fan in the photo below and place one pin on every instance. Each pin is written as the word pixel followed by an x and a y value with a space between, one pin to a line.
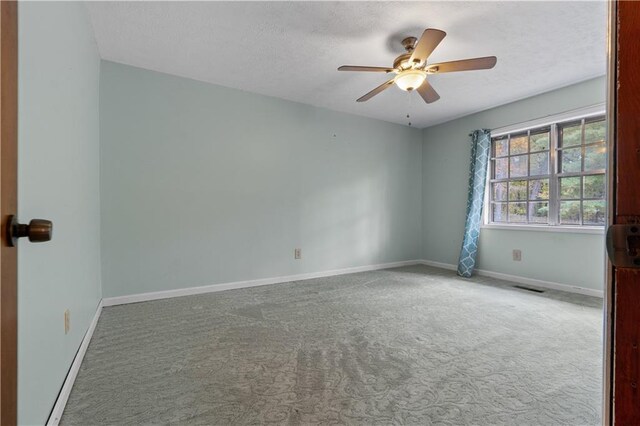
pixel 411 68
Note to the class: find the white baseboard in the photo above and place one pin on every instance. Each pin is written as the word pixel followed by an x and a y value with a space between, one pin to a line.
pixel 61 402
pixel 144 297
pixel 447 266
pixel 523 280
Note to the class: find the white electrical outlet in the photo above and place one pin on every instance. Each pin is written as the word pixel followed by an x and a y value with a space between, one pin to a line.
pixel 67 321
pixel 517 255
pixel 297 253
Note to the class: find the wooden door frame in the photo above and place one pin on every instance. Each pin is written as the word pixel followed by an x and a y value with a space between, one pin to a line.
pixel 8 206
pixel 609 304
pixel 622 320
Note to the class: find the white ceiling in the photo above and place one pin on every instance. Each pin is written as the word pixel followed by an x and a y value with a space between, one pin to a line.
pixel 291 50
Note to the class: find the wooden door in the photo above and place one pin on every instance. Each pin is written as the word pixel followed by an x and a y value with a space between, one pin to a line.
pixel 8 206
pixel 625 208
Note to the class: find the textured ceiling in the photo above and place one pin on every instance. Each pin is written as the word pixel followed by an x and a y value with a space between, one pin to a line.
pixel 291 50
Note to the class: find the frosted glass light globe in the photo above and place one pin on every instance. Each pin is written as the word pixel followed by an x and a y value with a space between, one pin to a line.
pixel 410 79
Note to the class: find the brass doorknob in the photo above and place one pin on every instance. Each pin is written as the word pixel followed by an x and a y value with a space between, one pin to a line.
pixel 38 230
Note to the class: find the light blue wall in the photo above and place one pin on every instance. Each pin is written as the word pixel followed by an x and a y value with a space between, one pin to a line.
pixel 58 180
pixel 574 259
pixel 203 184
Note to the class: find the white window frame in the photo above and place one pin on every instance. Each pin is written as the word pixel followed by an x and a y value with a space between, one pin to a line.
pixel 552 122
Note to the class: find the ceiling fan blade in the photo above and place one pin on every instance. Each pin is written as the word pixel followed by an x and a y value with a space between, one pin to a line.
pixel 375 91
pixel 427 92
pixel 430 39
pixel 366 69
pixel 484 63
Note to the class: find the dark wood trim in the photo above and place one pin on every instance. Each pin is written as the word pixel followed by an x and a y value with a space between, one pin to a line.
pixel 626 196
pixel 609 301
pixel 627 332
pixel 8 206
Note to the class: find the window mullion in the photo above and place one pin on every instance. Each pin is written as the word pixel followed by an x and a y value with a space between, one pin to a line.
pixel 508 175
pixel 583 152
pixel 526 189
pixel 554 195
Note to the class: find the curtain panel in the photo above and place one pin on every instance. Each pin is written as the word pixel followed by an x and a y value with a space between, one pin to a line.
pixel 480 149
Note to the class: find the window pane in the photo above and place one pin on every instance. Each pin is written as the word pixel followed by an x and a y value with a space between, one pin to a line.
pixel 519 165
pixel 593 212
pixel 570 212
pixel 517 190
pixel 501 168
pixel 517 212
pixel 539 141
pixel 594 186
pixel 518 144
pixel 571 134
pixel 539 164
pixel 500 147
pixel 570 187
pixel 539 212
pixel 499 191
pixel 499 212
pixel 570 160
pixel 539 189
pixel 594 157
pixel 594 131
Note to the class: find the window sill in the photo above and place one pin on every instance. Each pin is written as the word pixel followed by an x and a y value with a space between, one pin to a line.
pixel 548 228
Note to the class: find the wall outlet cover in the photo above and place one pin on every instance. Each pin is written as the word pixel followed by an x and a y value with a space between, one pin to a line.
pixel 297 253
pixel 517 255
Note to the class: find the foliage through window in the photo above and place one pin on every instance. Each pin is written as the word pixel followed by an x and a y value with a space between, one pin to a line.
pixel 552 175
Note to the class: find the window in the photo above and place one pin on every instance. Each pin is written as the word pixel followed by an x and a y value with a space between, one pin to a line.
pixel 551 175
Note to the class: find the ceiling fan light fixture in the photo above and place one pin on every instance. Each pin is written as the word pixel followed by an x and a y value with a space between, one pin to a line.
pixel 410 79
pixel 411 68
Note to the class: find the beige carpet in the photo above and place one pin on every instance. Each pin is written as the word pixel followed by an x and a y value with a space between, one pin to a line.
pixel 413 345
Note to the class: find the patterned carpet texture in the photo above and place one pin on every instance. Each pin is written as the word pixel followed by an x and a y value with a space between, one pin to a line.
pixel 413 345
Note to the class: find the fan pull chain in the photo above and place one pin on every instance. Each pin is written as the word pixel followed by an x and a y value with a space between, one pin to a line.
pixel 410 109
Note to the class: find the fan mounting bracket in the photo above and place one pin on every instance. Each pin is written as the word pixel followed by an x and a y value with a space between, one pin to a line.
pixel 409 43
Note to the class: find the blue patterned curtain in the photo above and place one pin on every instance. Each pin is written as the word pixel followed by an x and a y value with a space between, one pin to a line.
pixel 480 146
